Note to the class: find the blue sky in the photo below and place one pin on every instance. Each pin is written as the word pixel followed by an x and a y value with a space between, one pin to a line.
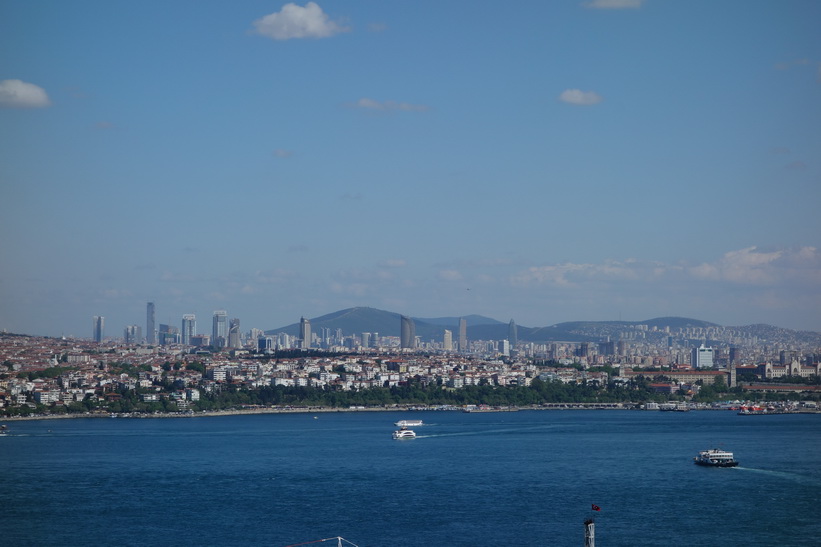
pixel 541 161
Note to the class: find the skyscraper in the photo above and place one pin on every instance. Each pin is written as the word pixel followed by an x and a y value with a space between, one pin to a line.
pixel 305 333
pixel 219 331
pixel 98 328
pixel 512 334
pixel 189 328
pixel 233 334
pixel 447 344
pixel 168 335
pixel 463 334
pixel 150 336
pixel 702 357
pixel 133 334
pixel 407 339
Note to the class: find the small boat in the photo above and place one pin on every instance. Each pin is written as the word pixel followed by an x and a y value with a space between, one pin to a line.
pixel 404 433
pixel 715 458
pixel 408 423
pixel 3 430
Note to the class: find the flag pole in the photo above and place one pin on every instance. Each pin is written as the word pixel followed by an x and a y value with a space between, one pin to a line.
pixel 589 533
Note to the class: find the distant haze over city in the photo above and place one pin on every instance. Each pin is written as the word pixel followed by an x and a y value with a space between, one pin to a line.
pixel 585 160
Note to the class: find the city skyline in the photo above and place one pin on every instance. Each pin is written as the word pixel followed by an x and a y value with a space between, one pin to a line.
pixel 549 162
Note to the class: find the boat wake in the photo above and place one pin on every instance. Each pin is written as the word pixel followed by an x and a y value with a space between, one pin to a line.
pixel 803 479
pixel 484 432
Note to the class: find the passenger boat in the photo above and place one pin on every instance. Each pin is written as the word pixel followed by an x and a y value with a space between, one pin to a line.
pixel 715 458
pixel 408 423
pixel 404 433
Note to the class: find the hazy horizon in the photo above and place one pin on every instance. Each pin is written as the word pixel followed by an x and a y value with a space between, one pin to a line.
pixel 558 161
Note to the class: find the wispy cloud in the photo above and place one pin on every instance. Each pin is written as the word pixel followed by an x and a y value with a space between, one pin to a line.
pixel 786 65
pixel 20 94
pixel 749 266
pixel 450 275
pixel 613 4
pixel 294 21
pixel 281 153
pixel 370 104
pixel 796 165
pixel 579 97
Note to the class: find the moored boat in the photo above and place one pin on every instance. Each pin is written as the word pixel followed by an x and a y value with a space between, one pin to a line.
pixel 715 458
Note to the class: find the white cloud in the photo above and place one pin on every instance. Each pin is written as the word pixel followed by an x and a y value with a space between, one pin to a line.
pixel 753 267
pixel 788 268
pixel 450 275
pixel 579 97
pixel 371 104
pixel 614 4
pixel 294 21
pixel 20 94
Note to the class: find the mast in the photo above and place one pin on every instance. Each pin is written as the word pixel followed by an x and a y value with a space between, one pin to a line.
pixel 589 533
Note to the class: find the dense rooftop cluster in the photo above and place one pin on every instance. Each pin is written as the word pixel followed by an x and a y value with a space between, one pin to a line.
pixel 73 375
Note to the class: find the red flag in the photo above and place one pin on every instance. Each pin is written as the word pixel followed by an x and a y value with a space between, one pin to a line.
pixel 596 507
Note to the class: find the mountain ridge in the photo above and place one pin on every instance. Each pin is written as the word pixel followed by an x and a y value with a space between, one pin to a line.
pixel 361 319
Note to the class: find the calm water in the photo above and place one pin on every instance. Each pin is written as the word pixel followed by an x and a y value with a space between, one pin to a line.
pixel 520 478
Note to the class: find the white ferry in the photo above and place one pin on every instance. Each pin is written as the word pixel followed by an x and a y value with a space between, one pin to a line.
pixel 408 423
pixel 715 458
pixel 404 433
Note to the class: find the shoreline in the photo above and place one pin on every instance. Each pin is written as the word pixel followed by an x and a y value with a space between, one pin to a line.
pixel 293 410
pixel 325 410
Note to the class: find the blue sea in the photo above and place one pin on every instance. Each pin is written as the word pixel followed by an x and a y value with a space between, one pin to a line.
pixel 523 478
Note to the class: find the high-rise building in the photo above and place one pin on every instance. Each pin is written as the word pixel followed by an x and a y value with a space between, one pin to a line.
pixel 447 343
pixel 98 328
pixel 189 328
pixel 234 341
pixel 701 357
pixel 463 334
pixel 133 334
pixel 265 343
pixel 150 336
pixel 305 333
pixel 366 339
pixel 168 335
pixel 219 330
pixel 512 334
pixel 407 339
pixel 504 347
